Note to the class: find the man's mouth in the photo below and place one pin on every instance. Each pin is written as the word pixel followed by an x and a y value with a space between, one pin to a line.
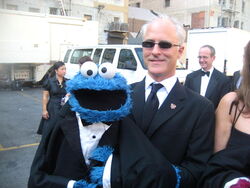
pixel 101 100
pixel 156 60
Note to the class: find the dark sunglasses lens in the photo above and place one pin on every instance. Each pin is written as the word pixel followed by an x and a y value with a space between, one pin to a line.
pixel 165 45
pixel 148 44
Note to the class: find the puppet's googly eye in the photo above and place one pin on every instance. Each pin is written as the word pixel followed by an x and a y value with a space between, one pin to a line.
pixel 89 69
pixel 107 70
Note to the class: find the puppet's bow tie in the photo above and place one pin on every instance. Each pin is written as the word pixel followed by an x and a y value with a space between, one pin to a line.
pixel 84 123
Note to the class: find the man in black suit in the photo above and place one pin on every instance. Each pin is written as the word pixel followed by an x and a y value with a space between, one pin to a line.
pixel 183 121
pixel 208 81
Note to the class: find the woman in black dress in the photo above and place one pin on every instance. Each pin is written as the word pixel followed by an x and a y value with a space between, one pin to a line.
pixel 53 95
pixel 229 167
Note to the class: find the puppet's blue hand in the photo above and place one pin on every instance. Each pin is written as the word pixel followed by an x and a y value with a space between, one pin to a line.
pixel 100 154
pixel 84 184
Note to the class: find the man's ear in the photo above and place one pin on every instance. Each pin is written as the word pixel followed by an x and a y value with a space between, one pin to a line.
pixel 180 50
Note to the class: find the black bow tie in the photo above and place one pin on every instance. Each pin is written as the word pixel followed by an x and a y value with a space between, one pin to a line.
pixel 203 73
pixel 84 123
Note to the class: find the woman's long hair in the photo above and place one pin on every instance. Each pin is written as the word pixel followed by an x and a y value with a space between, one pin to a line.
pixel 244 90
pixel 55 67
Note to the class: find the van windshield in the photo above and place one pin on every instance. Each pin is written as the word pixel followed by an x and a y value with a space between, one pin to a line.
pixel 139 54
pixel 78 53
pixel 66 58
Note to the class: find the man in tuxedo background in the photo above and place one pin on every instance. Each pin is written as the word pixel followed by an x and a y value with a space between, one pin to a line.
pixel 177 121
pixel 208 81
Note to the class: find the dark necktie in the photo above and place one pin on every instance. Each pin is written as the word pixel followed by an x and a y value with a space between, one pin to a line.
pixel 151 106
pixel 203 73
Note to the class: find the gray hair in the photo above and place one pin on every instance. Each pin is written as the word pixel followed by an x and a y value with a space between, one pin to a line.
pixel 181 33
pixel 211 48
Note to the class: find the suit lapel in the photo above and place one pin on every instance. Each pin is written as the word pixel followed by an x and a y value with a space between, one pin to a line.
pixel 71 132
pixel 138 96
pixel 173 104
pixel 212 84
pixel 197 82
pixel 110 137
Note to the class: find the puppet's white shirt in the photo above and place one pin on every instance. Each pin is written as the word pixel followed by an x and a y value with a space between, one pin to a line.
pixel 89 138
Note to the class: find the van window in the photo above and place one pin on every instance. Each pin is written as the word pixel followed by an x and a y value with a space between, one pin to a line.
pixel 97 55
pixel 126 60
pixel 139 54
pixel 66 57
pixel 77 54
pixel 108 55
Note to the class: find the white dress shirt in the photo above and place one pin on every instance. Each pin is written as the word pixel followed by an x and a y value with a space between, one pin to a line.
pixel 89 138
pixel 163 92
pixel 204 82
pixel 239 82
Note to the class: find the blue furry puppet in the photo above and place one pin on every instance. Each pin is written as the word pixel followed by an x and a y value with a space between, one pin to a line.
pixel 99 95
pixel 94 143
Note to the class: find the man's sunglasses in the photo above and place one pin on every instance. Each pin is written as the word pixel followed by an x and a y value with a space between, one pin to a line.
pixel 161 44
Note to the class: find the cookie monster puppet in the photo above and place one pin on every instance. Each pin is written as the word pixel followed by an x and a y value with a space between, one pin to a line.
pixel 94 144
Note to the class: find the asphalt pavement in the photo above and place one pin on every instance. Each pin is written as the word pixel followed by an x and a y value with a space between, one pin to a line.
pixel 20 114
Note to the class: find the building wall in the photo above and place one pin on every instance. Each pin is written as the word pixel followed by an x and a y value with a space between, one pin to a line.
pixel 134 25
pixel 113 11
pixel 201 13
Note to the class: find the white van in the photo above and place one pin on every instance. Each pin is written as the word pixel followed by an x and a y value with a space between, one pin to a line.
pixel 126 58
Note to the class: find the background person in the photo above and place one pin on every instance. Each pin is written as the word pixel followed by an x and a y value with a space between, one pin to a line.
pixel 182 127
pixel 53 95
pixel 208 81
pixel 232 136
pixel 83 60
pixel 237 78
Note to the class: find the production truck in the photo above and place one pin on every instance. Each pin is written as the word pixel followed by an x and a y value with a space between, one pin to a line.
pixel 31 42
pixel 229 45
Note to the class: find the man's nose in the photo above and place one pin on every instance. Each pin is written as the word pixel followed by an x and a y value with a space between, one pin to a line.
pixel 156 49
pixel 201 59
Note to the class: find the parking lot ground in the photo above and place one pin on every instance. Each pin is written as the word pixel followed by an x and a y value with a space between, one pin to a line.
pixel 20 114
